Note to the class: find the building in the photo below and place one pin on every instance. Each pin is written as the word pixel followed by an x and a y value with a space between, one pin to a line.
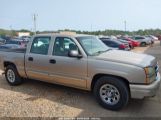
pixel 20 34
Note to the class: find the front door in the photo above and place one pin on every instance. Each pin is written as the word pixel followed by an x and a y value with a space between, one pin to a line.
pixel 67 70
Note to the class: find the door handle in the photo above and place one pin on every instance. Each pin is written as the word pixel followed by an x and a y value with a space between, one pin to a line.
pixel 52 61
pixel 30 59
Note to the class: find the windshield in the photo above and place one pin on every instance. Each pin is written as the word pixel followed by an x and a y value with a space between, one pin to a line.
pixel 92 45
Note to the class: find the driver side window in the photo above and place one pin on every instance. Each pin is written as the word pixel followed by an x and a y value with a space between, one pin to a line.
pixel 63 45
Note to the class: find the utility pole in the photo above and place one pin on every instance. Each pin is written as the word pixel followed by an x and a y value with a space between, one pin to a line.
pixel 91 27
pixel 34 20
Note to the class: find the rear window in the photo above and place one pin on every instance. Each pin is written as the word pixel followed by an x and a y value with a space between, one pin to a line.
pixel 111 43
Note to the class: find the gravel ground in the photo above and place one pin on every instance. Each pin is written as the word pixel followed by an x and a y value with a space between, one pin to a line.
pixel 39 99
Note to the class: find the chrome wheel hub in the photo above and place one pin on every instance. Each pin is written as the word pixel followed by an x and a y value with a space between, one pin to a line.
pixel 109 94
pixel 10 76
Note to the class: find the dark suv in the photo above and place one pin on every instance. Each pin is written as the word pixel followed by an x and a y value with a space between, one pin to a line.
pixel 114 44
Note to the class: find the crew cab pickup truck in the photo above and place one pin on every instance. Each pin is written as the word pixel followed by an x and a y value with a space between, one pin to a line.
pixel 84 62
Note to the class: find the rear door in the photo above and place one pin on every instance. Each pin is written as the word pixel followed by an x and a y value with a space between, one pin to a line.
pixel 37 59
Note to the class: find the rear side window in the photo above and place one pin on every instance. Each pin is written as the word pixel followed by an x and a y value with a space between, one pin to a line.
pixel 137 38
pixel 106 42
pixel 40 45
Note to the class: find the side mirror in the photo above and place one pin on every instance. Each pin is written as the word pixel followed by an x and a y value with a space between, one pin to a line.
pixel 74 53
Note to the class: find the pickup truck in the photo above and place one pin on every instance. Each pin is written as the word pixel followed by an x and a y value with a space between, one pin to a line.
pixel 84 62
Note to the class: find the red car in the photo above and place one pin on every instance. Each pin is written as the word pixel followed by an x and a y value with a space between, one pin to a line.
pixel 159 37
pixel 134 42
pixel 125 41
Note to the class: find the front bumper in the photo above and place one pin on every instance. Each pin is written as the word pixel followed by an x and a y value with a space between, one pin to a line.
pixel 141 91
pixel 149 42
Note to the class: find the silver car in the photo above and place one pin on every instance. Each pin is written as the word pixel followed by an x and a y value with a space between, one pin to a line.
pixel 144 41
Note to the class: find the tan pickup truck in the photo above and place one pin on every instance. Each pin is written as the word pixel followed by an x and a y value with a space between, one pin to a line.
pixel 84 62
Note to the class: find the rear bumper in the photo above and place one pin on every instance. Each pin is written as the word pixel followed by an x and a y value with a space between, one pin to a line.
pixel 136 44
pixel 148 43
pixel 141 91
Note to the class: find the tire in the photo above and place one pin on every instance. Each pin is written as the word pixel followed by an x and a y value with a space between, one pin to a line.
pixel 143 44
pixel 131 47
pixel 114 100
pixel 12 76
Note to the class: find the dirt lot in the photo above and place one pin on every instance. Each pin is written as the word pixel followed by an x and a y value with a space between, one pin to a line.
pixel 39 99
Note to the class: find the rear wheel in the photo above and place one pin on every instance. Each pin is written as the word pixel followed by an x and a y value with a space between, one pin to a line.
pixel 111 93
pixel 12 75
pixel 143 44
pixel 132 47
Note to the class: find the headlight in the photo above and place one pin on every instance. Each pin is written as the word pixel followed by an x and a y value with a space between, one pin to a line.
pixel 150 72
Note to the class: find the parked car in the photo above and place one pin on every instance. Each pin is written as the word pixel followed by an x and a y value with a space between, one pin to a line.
pixel 134 42
pixel 126 42
pixel 9 46
pixel 105 37
pixel 25 38
pixel 84 62
pixel 2 41
pixel 143 40
pixel 17 42
pixel 114 44
pixel 6 37
pixel 113 37
pixel 159 37
pixel 152 37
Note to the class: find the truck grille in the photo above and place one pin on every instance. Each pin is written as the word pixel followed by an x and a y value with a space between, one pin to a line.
pixel 156 68
pixel 156 71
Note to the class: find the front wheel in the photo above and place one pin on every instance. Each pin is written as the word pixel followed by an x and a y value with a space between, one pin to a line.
pixel 111 93
pixel 12 76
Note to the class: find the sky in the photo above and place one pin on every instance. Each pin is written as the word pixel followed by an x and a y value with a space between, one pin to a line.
pixel 90 15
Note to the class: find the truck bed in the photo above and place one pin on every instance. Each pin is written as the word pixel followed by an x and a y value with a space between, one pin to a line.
pixel 19 50
pixel 15 56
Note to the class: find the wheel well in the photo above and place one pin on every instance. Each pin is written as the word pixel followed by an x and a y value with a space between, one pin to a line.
pixel 9 63
pixel 143 43
pixel 96 77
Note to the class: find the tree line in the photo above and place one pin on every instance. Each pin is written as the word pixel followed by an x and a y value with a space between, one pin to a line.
pixel 156 32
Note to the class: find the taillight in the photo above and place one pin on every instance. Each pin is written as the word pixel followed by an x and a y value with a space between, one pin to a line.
pixel 122 46
pixel 138 43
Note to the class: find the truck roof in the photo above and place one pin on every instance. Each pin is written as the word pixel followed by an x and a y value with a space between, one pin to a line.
pixel 63 35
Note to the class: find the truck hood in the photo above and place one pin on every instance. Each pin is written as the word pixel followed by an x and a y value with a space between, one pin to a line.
pixel 126 57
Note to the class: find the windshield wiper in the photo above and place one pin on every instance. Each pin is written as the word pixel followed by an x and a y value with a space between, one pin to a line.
pixel 99 52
